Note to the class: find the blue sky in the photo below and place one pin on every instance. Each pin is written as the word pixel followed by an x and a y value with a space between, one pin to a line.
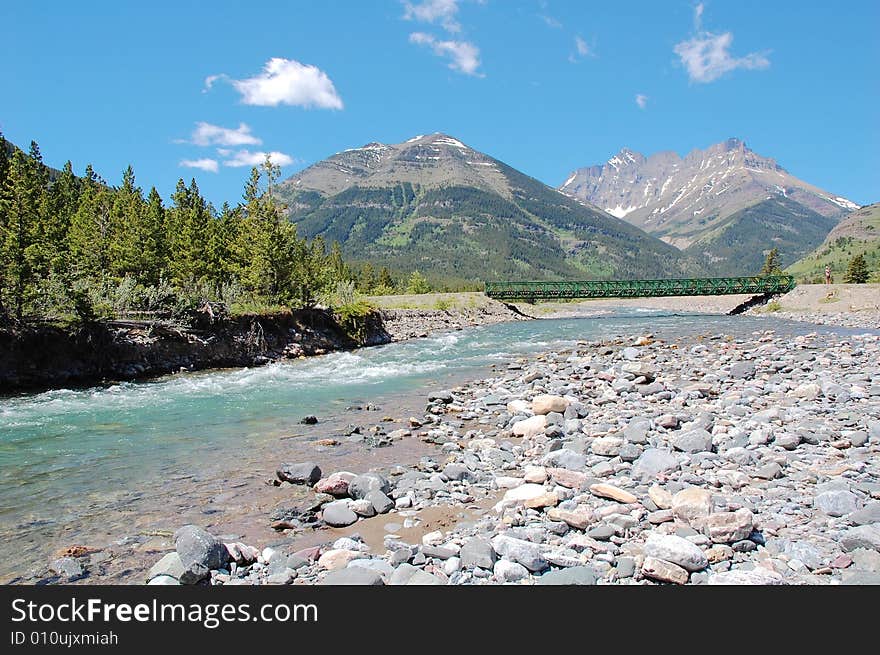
pixel 191 89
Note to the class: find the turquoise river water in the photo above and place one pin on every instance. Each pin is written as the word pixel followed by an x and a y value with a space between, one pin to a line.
pixel 76 459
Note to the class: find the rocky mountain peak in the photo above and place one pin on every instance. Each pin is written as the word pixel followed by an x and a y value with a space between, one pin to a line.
pixel 679 198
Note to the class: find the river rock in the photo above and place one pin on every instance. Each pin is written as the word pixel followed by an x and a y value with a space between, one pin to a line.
pixel 477 552
pixel 691 504
pixel 674 549
pixel 606 446
pixel 518 550
pixel 530 427
pixel 68 568
pixel 507 571
pixel 614 493
pixel 653 462
pixel 362 507
pixel 355 575
pixel 663 571
pixel 380 502
pixel 300 473
pixel 363 484
pixel 839 502
pixel 727 527
pixel 574 575
pixel 535 474
pixel 458 472
pixel 338 558
pixel 338 514
pixel 756 576
pixel 769 471
pixel 580 519
pixel 200 552
pixel 693 441
pixel 548 499
pixel 170 565
pixel 807 390
pixel 660 497
pixel 565 458
pixel 164 580
pixel 520 494
pixel 870 513
pixel 515 407
pixel 567 478
pixel 862 536
pixel 742 370
pixel 636 431
pixel 336 484
pixel 420 577
pixel 545 403
pixel 242 554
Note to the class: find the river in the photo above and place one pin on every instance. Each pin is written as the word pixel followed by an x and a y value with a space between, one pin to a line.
pixel 102 463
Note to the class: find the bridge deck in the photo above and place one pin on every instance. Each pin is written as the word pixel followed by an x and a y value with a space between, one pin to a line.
pixel 710 286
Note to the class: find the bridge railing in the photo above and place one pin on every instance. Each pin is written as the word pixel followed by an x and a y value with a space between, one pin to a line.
pixel 709 286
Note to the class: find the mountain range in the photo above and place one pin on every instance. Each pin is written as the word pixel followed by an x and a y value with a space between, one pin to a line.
pixel 724 206
pixel 434 204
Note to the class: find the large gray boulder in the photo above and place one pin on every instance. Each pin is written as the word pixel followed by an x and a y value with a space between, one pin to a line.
pixel 477 552
pixel 300 473
pixel 367 482
pixel 338 514
pixel 200 552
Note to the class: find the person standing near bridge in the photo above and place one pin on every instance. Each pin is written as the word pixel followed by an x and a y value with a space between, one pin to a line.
pixel 828 274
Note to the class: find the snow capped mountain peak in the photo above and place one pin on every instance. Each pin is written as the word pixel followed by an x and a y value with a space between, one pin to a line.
pixel 681 197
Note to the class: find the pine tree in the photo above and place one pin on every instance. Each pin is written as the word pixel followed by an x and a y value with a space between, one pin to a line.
pixel 417 284
pixel 63 202
pixel 385 280
pixel 127 220
pixel 857 272
pixel 190 219
pixel 153 259
pixel 771 264
pixel 367 279
pixel 340 270
pixel 19 251
pixel 220 252
pixel 91 234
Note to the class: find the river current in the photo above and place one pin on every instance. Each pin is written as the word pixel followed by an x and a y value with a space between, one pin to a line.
pixel 119 458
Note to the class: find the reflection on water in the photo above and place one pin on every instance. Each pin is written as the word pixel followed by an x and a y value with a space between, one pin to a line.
pixel 69 458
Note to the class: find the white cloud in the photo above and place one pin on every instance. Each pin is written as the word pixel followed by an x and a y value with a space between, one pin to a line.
pixel 641 100
pixel 432 11
pixel 248 158
pixel 582 48
pixel 706 56
pixel 550 21
pixel 206 164
pixel 285 82
pixel 698 17
pixel 464 56
pixel 207 134
pixel 211 79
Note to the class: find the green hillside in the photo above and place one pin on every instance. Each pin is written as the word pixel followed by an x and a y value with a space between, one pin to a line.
pixel 857 234
pixel 738 246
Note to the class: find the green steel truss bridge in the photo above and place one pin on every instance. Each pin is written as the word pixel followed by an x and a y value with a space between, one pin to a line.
pixel 707 286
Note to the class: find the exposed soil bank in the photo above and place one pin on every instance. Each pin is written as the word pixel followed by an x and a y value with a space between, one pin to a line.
pixel 46 357
pixel 847 305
